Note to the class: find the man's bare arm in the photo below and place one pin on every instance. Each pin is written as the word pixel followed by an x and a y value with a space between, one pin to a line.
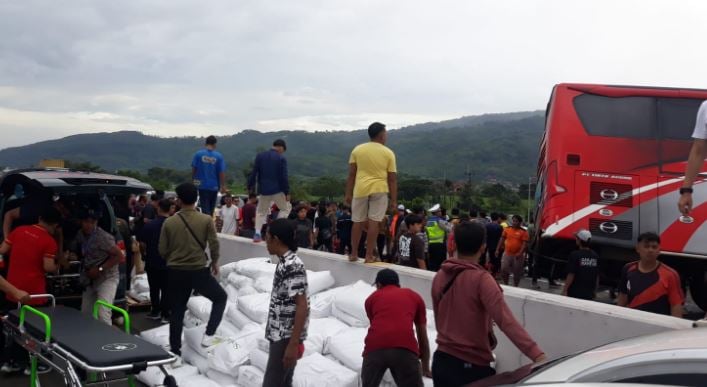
pixel 350 181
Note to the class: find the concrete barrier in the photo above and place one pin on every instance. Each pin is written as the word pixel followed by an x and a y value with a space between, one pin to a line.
pixel 560 325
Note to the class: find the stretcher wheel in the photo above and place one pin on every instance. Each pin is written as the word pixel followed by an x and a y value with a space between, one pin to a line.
pixel 170 381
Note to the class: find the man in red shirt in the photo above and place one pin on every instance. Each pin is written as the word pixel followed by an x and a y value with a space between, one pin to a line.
pixel 32 254
pixel 391 343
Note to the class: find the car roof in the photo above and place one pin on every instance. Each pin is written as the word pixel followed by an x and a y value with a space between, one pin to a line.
pixel 691 340
pixel 62 180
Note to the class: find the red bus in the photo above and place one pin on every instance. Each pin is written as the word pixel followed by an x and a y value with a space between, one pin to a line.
pixel 612 160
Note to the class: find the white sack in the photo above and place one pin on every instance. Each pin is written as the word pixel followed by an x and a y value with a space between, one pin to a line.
pixel 263 285
pixel 238 281
pixel 231 354
pixel 237 318
pixel 231 293
pixel 256 267
pixel 348 319
pixel 221 378
pixel 320 303
pixel 247 291
pixel 259 358
pixel 191 321
pixel 316 370
pixel 227 269
pixel 321 330
pixel 319 281
pixel 198 381
pixel 347 347
pixel 352 300
pixel 139 297
pixel 157 336
pixel 263 344
pixel 140 284
pixel 192 357
pixel 153 376
pixel 255 306
pixel 249 376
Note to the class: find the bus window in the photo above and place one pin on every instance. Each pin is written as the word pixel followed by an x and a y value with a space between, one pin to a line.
pixel 676 117
pixel 628 117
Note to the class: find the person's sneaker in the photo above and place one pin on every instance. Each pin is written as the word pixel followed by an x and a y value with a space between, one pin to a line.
pixel 257 238
pixel 153 315
pixel 41 369
pixel 165 320
pixel 10 367
pixel 210 341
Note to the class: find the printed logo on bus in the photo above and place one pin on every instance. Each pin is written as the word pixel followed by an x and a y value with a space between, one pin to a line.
pixel 606 212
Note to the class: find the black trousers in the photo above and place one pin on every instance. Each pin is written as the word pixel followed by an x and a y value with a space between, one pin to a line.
pixel 180 286
pixel 403 364
pixel 344 242
pixel 449 371
pixel 438 253
pixel 159 297
pixel 275 373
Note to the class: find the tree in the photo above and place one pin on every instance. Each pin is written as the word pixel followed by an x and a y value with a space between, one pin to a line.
pixel 414 187
pixel 328 187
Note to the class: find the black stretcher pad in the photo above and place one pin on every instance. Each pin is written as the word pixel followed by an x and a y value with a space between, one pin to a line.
pixel 91 341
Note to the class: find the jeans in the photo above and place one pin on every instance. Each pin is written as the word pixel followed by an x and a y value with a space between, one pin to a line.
pixel 102 288
pixel 180 284
pixel 449 371
pixel 275 373
pixel 403 364
pixel 207 201
pixel 157 278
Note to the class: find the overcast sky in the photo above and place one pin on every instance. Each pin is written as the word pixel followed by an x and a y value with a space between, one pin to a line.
pixel 175 68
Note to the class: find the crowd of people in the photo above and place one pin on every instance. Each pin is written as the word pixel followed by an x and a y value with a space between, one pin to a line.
pixel 470 253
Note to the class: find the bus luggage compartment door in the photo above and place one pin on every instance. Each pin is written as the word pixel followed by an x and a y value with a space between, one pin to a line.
pixel 608 205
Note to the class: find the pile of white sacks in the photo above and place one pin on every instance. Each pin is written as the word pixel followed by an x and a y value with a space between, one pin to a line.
pixel 337 327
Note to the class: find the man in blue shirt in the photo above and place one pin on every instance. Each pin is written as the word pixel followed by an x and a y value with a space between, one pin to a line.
pixel 207 170
pixel 270 174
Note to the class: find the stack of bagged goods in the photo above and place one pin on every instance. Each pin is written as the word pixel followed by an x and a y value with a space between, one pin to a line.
pixel 139 288
pixel 333 350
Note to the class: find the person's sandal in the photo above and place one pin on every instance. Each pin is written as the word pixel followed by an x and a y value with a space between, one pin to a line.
pixel 353 259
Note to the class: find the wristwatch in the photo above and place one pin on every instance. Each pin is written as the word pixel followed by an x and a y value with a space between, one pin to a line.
pixel 685 190
pixel 100 269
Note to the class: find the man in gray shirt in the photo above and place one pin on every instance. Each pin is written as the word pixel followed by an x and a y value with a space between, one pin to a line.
pixel 100 257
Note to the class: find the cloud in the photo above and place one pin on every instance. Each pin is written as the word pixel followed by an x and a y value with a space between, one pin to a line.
pixel 181 67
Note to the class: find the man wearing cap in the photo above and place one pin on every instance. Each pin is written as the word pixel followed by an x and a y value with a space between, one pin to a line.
pixel 208 173
pixel 100 257
pixel 270 174
pixel 437 229
pixel 390 342
pixel 372 177
pixel 582 269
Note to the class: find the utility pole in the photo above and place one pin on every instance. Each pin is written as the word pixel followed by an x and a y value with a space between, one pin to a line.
pixel 530 181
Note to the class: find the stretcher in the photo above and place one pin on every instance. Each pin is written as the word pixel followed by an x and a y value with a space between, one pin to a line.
pixel 74 344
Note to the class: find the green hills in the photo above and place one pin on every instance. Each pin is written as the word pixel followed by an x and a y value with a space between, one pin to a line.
pixel 499 147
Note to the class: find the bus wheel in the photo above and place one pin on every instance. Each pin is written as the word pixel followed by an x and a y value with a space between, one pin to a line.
pixel 698 289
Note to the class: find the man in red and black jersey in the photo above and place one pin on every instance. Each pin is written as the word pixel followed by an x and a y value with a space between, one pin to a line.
pixel 648 284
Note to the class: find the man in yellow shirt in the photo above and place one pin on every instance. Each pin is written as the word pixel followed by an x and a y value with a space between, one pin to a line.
pixel 372 177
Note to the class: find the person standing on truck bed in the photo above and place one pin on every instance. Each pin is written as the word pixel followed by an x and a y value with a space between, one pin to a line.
pixel 648 284
pixel 698 154
pixel 270 177
pixel 208 172
pixel 582 269
pixel 372 177
pixel 183 241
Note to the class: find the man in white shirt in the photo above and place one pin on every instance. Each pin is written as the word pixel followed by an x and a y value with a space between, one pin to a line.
pixel 698 153
pixel 229 215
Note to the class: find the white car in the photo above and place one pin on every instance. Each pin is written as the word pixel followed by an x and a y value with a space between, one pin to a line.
pixel 676 358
